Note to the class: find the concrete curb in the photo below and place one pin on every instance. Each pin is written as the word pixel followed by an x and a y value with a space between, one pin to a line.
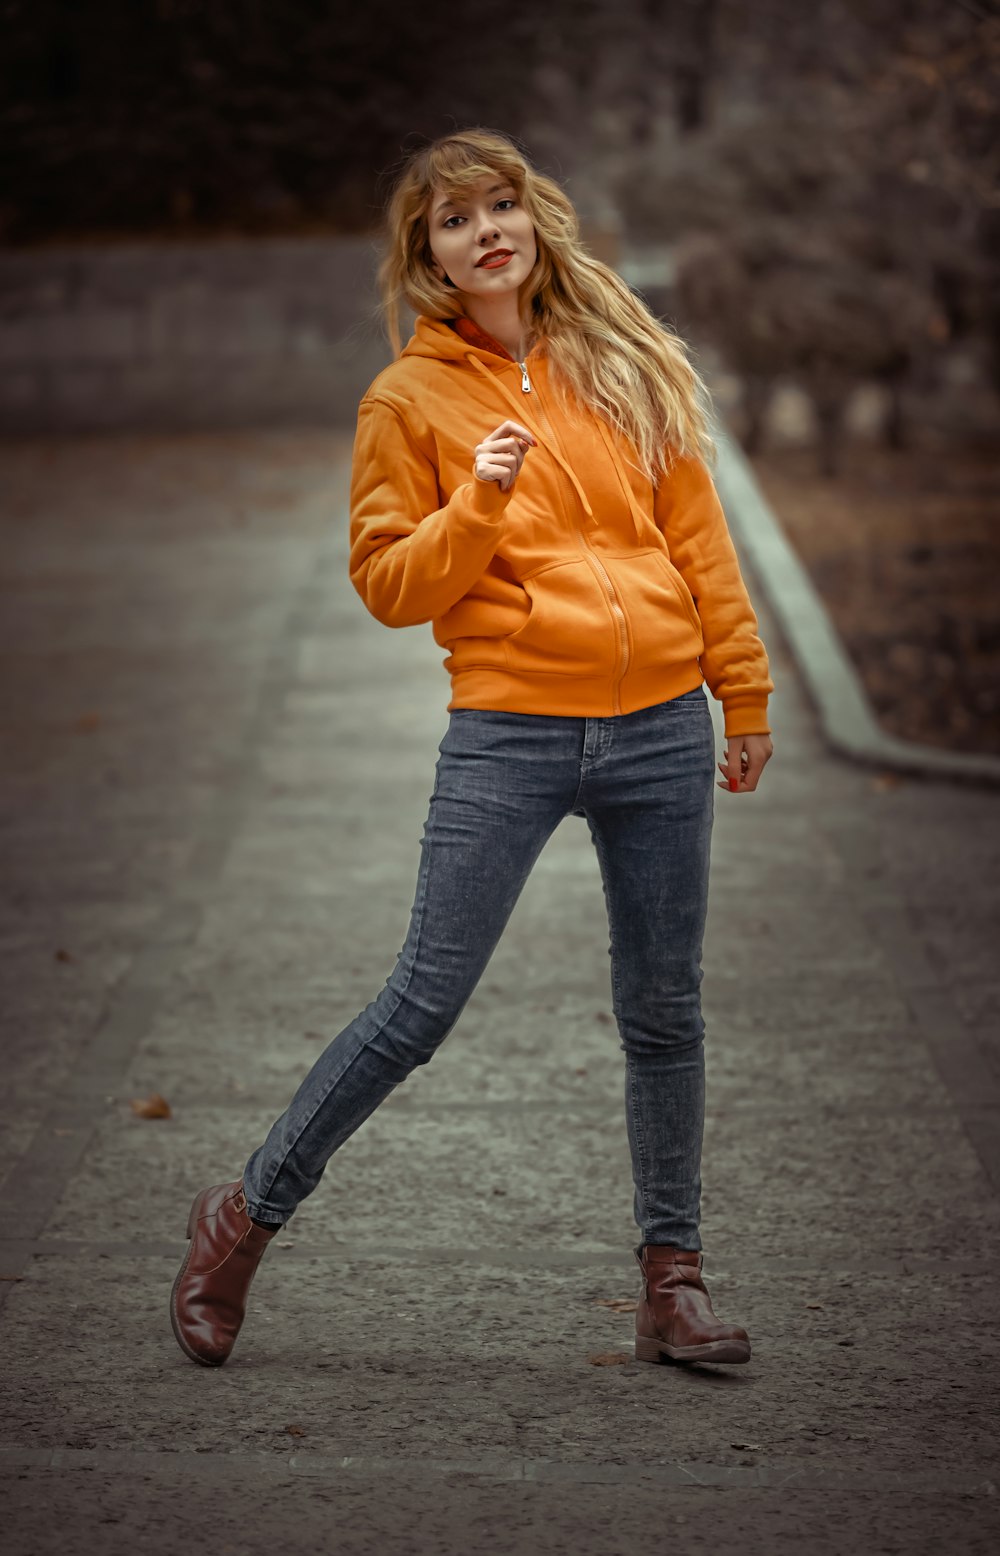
pixel 848 720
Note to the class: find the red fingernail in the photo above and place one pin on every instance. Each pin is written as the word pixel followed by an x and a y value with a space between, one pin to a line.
pixel 734 784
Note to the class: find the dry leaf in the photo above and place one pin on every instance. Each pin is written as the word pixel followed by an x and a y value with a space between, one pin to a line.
pixel 608 1358
pixel 580 1072
pixel 816 1304
pixel 11 1277
pixel 749 1447
pixel 887 781
pixel 64 956
pixel 618 1304
pixel 88 721
pixel 153 1106
pixel 295 1431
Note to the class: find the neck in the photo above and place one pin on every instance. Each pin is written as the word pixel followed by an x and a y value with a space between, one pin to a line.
pixel 501 318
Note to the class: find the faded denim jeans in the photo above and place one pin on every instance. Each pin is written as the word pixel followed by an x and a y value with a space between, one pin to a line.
pixel 645 782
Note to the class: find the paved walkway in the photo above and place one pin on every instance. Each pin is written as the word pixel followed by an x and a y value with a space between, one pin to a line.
pixel 216 769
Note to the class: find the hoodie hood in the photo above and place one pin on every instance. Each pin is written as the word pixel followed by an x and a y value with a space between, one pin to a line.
pixel 450 340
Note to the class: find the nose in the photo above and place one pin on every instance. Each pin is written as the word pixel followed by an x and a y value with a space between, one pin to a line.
pixel 488 232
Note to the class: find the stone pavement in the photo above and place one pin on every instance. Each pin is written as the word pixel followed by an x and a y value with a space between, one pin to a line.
pixel 215 772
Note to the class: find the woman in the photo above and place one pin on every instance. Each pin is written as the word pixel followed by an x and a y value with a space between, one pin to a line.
pixel 529 475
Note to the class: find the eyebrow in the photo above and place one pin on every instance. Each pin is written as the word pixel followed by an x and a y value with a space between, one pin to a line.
pixel 443 205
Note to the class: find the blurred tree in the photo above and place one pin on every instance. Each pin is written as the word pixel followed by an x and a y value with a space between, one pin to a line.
pixel 841 228
pixel 160 115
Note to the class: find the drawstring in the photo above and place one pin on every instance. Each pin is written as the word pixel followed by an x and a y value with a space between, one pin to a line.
pixel 639 518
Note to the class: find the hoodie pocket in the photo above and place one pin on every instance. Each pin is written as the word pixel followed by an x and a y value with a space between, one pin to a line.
pixel 682 591
pixel 664 626
pixel 570 629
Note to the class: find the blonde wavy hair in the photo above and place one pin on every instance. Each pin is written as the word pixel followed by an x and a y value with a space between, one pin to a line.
pixel 602 340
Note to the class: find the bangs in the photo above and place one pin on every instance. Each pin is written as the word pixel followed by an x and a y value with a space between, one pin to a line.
pixel 456 166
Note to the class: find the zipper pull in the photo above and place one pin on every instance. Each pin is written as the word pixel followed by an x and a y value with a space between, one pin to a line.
pixel 525 380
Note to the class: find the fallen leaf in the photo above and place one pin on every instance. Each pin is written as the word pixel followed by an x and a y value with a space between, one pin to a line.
pixel 153 1106
pixel 295 1431
pixel 618 1304
pixel 887 781
pixel 64 956
pixel 580 1072
pixel 11 1277
pixel 816 1304
pixel 748 1447
pixel 608 1358
pixel 499 1191
pixel 88 721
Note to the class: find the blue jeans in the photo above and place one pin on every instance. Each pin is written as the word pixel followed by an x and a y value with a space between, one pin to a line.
pixel 645 782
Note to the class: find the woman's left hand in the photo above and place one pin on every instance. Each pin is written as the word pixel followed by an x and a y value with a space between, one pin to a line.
pixel 746 758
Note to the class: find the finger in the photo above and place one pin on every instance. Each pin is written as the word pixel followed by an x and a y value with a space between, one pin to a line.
pixel 752 772
pixel 736 758
pixel 515 427
pixel 486 471
pixel 490 457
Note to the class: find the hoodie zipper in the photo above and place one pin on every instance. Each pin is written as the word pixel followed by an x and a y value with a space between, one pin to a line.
pixel 590 553
pixel 617 611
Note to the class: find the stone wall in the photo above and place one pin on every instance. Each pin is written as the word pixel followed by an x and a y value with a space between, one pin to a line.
pixel 225 333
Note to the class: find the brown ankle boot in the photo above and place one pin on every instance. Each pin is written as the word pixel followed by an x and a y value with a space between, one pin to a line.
pixel 674 1316
pixel 209 1295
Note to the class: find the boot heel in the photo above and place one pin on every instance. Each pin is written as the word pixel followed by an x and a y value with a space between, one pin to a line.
pixel 647 1350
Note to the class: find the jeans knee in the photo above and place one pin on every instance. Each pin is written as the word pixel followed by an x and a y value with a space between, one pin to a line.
pixel 667 1026
pixel 413 1031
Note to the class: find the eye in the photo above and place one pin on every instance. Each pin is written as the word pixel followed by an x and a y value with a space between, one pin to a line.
pixel 506 201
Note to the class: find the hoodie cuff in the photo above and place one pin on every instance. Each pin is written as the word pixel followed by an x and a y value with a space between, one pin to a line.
pixel 746 718
pixel 485 498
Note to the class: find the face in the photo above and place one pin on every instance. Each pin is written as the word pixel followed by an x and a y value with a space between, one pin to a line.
pixel 465 229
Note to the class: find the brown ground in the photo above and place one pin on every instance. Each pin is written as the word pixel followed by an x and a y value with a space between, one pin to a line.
pixel 904 548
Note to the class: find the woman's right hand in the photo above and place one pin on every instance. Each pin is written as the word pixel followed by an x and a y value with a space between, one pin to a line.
pixel 501 453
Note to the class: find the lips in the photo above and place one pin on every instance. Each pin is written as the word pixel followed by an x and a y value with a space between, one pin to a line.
pixel 495 258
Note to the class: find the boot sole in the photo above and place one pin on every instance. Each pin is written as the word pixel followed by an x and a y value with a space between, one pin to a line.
pixel 732 1351
pixel 206 1361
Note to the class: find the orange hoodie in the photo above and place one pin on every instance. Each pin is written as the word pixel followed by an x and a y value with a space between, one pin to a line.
pixel 583 590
